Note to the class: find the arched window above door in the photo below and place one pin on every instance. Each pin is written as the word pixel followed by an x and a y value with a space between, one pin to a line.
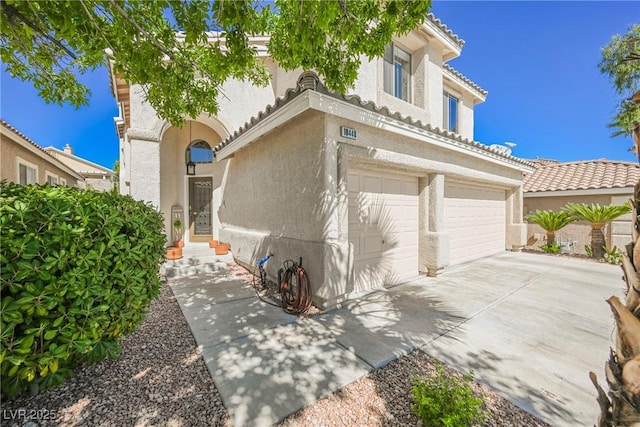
pixel 199 151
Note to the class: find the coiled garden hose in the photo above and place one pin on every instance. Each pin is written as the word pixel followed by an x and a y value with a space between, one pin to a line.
pixel 295 288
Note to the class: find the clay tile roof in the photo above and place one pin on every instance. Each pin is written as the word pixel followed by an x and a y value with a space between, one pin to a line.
pixel 438 23
pixel 308 80
pixel 25 137
pixel 584 175
pixel 464 78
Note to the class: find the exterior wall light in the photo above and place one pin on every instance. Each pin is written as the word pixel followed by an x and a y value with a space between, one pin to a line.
pixel 191 168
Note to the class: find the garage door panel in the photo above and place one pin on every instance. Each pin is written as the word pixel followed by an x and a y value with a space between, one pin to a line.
pixel 475 218
pixel 383 225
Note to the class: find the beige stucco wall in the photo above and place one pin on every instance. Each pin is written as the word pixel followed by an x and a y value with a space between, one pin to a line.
pixel 366 85
pixel 434 85
pixel 99 184
pixel 617 233
pixel 620 228
pixel 381 146
pixel 466 121
pixel 286 193
pixel 272 198
pixel 9 166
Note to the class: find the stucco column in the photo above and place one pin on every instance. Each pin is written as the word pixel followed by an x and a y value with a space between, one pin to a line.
pixel 144 170
pixel 338 266
pixel 516 228
pixel 433 251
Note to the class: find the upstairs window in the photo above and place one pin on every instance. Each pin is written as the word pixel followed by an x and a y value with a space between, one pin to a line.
pixel 51 178
pixel 27 173
pixel 199 152
pixel 450 112
pixel 397 72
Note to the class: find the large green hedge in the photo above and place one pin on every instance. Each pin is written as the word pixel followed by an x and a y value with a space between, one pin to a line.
pixel 78 270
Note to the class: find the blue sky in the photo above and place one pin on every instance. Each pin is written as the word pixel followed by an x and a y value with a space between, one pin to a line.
pixel 538 60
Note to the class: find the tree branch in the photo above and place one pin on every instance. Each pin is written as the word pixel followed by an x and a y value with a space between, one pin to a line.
pixel 12 12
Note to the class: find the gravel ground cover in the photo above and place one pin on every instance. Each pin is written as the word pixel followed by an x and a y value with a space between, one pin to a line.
pixel 160 379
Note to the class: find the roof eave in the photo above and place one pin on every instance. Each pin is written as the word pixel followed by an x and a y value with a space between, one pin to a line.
pixel 352 109
pixel 479 94
pixel 101 168
pixel 579 192
pixel 38 151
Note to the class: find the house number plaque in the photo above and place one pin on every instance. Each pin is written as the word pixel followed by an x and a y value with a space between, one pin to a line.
pixel 348 132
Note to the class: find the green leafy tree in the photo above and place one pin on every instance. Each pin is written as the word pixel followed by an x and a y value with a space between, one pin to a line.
pixel 116 176
pixel 598 216
pixel 551 222
pixel 621 62
pixel 50 42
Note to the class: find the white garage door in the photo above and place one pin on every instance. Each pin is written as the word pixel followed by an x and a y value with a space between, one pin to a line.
pixel 383 228
pixel 475 218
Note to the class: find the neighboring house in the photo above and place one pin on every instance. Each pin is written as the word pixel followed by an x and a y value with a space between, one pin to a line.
pixel 370 189
pixel 25 162
pixel 555 184
pixel 95 176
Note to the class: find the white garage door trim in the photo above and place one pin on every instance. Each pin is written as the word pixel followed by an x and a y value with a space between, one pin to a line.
pixel 475 218
pixel 383 228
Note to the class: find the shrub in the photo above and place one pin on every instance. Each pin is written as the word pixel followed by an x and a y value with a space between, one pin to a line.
pixel 446 401
pixel 551 249
pixel 588 251
pixel 613 256
pixel 79 269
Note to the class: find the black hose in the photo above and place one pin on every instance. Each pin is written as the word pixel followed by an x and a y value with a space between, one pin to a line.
pixel 263 278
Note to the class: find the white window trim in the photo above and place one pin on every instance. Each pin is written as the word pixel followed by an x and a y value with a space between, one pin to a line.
pixel 409 52
pixel 446 114
pixel 62 181
pixel 21 161
pixel 48 175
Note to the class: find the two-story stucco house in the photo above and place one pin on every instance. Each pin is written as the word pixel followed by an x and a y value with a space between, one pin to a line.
pixel 371 188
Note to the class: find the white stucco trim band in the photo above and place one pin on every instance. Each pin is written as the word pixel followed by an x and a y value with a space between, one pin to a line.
pixel 418 166
pixel 329 104
pixel 143 135
pixel 588 192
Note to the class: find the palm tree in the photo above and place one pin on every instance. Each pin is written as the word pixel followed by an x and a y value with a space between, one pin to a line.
pixel 598 216
pixel 551 222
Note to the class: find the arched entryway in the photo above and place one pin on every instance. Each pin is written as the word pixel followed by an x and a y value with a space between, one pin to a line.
pixel 190 181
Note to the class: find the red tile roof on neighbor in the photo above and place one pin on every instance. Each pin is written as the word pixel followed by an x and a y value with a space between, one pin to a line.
pixel 23 136
pixel 583 175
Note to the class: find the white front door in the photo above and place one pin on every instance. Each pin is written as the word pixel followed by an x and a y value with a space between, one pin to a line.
pixel 475 218
pixel 383 228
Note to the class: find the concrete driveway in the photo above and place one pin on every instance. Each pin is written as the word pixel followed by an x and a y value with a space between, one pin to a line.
pixel 530 326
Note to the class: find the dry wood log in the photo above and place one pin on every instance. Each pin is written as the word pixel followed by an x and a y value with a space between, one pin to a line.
pixel 636 256
pixel 621 406
pixel 603 401
pixel 631 376
pixel 634 229
pixel 628 329
pixel 633 285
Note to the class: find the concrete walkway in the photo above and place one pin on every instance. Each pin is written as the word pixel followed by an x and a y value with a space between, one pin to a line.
pixel 530 326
